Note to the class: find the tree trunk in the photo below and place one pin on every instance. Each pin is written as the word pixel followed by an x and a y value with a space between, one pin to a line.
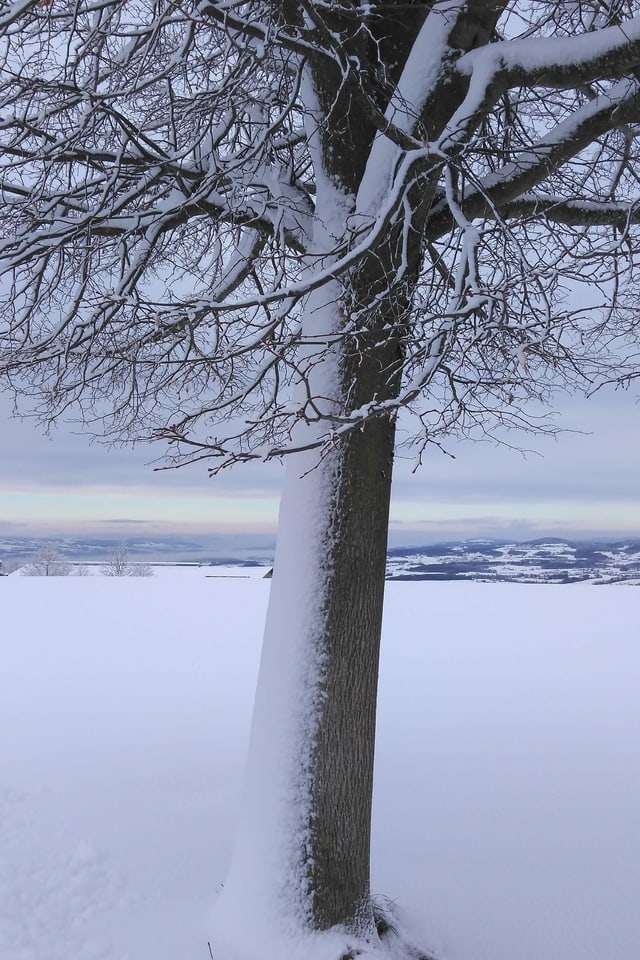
pixel 301 859
pixel 342 760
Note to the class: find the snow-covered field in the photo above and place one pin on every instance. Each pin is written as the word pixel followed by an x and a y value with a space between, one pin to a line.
pixel 507 811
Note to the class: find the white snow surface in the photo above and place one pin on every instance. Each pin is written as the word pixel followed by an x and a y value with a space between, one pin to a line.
pixel 507 799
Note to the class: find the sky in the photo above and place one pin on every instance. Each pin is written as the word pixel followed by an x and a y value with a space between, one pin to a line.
pixel 584 484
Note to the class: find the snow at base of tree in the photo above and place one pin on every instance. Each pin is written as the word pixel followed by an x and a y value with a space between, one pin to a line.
pixel 506 814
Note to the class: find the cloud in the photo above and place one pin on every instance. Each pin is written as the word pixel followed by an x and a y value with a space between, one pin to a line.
pixel 120 521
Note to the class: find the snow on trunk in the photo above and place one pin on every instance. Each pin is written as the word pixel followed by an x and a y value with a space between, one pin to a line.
pixel 266 895
pixel 298 885
pixel 301 859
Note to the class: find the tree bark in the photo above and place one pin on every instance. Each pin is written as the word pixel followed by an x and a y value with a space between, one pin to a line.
pixel 301 860
pixel 342 762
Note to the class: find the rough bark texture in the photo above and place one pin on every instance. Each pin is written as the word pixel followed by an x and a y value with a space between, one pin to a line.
pixel 356 548
pixel 343 759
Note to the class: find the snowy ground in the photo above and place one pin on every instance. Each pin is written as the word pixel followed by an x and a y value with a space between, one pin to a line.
pixel 507 814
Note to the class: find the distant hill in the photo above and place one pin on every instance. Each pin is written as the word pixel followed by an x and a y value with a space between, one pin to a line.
pixel 215 549
pixel 543 560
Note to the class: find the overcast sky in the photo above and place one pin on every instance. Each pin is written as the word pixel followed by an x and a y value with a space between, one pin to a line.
pixel 581 485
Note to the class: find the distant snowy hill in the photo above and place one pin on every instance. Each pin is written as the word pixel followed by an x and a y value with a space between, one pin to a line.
pixel 537 561
pixel 549 560
pixel 222 548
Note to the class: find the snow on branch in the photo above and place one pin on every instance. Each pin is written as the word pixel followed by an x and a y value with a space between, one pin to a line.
pixel 206 208
pixel 532 166
pixel 559 62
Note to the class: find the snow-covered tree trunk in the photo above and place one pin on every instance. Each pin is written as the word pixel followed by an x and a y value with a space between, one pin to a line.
pixel 302 855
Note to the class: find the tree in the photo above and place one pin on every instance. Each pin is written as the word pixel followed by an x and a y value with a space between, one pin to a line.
pixel 257 229
pixel 121 565
pixel 118 564
pixel 47 561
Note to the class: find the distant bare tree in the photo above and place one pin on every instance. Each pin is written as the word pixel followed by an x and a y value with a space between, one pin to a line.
pixel 118 563
pixel 121 565
pixel 48 561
